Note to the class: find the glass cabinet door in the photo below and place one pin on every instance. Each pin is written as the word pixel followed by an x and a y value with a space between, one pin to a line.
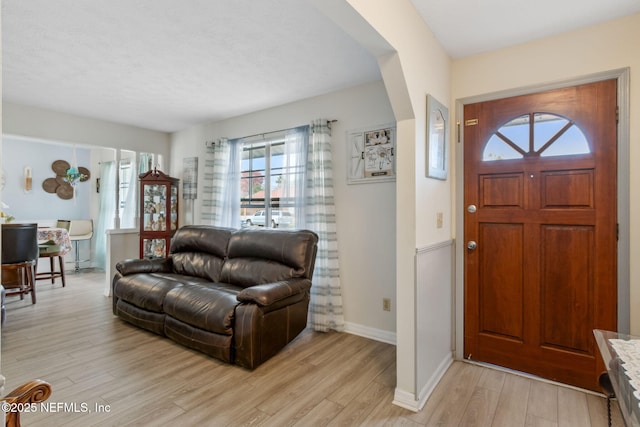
pixel 154 248
pixel 173 216
pixel 155 202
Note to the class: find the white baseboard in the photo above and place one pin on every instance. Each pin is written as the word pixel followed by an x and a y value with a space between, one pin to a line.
pixel 371 333
pixel 407 400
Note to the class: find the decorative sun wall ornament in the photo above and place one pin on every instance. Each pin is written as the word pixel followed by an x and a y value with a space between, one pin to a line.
pixel 67 177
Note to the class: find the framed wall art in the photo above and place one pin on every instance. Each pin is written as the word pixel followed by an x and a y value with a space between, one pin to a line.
pixel 437 139
pixel 371 156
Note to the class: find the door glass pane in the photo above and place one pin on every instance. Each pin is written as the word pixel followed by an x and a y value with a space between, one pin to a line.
pixel 517 131
pixel 545 128
pixel 553 135
pixel 497 149
pixel 571 141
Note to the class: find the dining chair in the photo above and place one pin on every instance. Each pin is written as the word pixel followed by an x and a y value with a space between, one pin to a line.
pixel 63 223
pixel 52 251
pixel 19 256
pixel 80 230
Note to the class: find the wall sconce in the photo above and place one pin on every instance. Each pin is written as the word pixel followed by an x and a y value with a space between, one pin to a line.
pixel 28 180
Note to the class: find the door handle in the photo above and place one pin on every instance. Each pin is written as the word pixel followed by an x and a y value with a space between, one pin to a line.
pixel 472 245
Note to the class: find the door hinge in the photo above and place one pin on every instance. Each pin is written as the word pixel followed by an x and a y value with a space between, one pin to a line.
pixel 458 130
pixel 617 232
pixel 471 122
pixel 617 114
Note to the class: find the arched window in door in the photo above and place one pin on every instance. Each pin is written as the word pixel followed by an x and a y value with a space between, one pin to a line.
pixel 536 135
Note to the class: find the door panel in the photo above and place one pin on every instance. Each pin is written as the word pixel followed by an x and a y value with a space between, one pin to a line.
pixel 567 189
pixel 501 271
pixel 501 191
pixel 567 291
pixel 541 170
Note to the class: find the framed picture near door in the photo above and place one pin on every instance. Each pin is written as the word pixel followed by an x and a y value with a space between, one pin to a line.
pixel 437 139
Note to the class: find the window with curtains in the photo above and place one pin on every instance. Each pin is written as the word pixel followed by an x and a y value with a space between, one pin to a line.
pixel 260 178
pixel 271 175
pixel 127 188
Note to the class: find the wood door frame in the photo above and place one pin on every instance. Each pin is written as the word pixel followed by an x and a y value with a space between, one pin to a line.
pixel 622 77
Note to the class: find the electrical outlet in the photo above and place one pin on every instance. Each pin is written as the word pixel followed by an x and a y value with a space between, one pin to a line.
pixel 386 304
pixel 439 220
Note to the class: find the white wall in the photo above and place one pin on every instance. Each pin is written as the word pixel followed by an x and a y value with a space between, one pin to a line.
pixel 609 46
pixel 37 123
pixel 365 213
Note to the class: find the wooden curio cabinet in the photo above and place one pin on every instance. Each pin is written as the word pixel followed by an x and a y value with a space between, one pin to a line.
pixel 158 213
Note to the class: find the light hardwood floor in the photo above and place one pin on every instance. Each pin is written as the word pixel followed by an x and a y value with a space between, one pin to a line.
pixel 92 359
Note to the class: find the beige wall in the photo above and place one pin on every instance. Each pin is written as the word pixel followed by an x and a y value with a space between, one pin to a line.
pixel 418 67
pixel 609 46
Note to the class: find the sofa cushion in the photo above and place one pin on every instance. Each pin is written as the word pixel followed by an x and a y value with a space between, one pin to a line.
pixel 200 251
pixel 216 345
pixel 148 291
pixel 195 264
pixel 247 271
pixel 208 307
pixel 146 319
pixel 257 256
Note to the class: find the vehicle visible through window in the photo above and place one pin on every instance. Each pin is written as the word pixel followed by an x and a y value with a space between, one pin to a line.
pixel 278 219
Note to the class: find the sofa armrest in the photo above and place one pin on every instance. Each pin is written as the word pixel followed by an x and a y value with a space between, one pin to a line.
pixel 133 266
pixel 269 293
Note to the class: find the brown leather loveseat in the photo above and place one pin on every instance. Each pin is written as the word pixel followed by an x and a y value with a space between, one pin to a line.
pixel 237 295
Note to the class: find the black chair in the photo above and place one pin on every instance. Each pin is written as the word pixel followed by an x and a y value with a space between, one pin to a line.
pixel 19 257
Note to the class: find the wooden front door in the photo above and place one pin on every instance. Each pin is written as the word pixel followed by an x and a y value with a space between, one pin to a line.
pixel 540 230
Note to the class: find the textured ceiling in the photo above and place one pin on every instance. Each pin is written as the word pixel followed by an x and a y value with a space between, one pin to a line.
pixel 170 64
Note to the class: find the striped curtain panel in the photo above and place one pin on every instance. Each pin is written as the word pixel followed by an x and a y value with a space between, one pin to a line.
pixel 326 311
pixel 221 189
